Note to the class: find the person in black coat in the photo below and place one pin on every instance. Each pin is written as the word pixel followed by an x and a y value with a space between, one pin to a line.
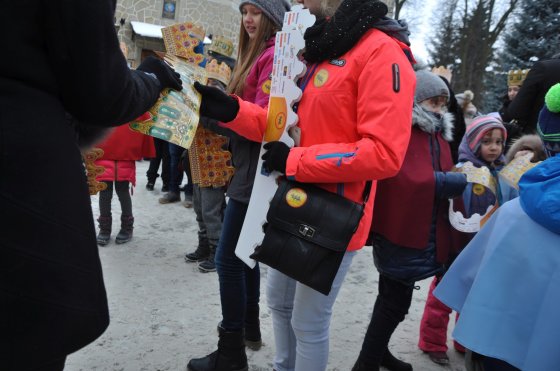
pixel 63 59
pixel 526 106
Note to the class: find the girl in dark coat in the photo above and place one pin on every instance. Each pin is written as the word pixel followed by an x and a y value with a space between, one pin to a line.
pixel 410 229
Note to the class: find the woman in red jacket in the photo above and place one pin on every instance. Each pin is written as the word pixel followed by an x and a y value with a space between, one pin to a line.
pixel 121 149
pixel 354 117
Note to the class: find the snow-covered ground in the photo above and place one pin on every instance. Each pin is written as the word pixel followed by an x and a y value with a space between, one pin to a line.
pixel 164 311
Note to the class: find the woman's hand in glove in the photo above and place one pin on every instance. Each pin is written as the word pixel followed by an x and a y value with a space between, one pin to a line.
pixel 166 75
pixel 216 104
pixel 276 156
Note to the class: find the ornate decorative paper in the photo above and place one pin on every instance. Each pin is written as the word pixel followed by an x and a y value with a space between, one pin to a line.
pixel 175 115
pixel 93 170
pixel 512 172
pixel 181 39
pixel 210 163
pixel 475 175
pixel 284 92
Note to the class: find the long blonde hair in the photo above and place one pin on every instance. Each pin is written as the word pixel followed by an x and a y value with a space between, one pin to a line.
pixel 248 52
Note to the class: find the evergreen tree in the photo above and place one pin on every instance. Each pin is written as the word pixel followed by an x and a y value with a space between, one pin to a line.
pixel 444 50
pixel 534 35
pixel 479 33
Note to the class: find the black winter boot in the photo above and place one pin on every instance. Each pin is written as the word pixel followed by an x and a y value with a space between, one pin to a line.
pixel 208 264
pixel 201 253
pixel 360 366
pixel 392 363
pixel 104 235
pixel 230 355
pixel 125 234
pixel 253 338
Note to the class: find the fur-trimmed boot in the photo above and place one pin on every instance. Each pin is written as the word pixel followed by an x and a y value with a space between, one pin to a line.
pixel 230 355
pixel 104 235
pixel 127 225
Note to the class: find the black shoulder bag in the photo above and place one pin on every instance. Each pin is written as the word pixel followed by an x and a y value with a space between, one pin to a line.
pixel 307 232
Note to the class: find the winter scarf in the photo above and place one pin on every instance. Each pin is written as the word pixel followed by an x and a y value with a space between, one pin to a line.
pixel 330 38
pixel 431 123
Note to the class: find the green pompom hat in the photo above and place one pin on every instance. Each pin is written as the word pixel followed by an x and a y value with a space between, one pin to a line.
pixel 552 99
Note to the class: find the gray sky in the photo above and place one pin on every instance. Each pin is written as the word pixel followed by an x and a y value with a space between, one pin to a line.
pixel 421 16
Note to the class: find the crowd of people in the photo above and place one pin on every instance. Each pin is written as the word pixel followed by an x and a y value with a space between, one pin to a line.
pixel 440 205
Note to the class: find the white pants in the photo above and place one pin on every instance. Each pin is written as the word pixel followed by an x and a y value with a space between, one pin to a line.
pixel 301 318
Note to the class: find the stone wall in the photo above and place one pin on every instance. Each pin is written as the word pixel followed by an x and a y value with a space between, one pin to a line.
pixel 218 17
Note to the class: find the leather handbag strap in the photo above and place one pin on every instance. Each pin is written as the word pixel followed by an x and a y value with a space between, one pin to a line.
pixel 367 191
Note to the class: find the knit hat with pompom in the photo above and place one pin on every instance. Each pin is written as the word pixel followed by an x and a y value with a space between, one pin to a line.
pixel 549 121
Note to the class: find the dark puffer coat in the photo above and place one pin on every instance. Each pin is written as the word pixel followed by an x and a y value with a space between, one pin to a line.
pixel 61 57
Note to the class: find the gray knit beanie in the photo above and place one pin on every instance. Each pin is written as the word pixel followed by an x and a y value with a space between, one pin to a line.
pixel 429 85
pixel 273 9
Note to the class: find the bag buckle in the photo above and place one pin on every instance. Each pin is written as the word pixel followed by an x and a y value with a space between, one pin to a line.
pixel 306 231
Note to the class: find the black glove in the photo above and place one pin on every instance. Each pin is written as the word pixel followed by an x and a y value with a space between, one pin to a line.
pixel 275 156
pixel 216 104
pixel 166 75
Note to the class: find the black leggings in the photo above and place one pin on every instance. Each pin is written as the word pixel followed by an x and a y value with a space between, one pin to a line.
pixel 392 304
pixel 105 197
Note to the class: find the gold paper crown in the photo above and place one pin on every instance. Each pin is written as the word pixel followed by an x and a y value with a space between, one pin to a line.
pixel 444 72
pixel 221 45
pixel 181 39
pixel 516 77
pixel 218 71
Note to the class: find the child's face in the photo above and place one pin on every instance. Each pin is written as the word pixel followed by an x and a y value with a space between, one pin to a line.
pixel 435 104
pixel 512 91
pixel 492 145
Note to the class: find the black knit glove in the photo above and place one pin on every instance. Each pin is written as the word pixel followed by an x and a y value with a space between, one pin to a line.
pixel 216 104
pixel 276 156
pixel 166 75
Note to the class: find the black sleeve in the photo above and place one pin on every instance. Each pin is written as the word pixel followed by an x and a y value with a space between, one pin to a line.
pixel 521 106
pixel 96 85
pixel 213 126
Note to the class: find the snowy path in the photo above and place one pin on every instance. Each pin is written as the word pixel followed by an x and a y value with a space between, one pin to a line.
pixel 164 312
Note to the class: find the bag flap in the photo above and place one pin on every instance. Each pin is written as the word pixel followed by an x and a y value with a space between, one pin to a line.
pixel 314 214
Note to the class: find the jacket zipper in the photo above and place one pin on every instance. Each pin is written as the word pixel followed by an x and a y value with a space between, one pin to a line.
pixel 340 156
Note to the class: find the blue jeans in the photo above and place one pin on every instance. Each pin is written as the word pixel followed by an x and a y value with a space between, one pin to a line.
pixel 239 284
pixel 175 176
pixel 301 318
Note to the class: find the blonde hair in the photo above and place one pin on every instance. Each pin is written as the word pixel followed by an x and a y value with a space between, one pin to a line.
pixel 248 51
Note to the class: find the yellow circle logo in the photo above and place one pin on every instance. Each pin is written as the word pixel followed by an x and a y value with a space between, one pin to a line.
pixel 266 86
pixel 280 120
pixel 296 197
pixel 478 189
pixel 321 78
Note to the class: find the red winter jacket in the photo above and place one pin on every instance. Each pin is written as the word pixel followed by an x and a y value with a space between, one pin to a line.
pixel 354 125
pixel 121 149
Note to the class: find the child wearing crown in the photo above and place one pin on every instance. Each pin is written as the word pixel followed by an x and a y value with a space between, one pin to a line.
pixel 514 260
pixel 481 156
pixel 514 82
pixel 211 170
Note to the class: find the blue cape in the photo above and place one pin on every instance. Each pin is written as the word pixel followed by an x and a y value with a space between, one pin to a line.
pixel 506 282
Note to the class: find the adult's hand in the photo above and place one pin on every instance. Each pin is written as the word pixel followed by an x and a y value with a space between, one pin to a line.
pixel 166 75
pixel 216 104
pixel 276 156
